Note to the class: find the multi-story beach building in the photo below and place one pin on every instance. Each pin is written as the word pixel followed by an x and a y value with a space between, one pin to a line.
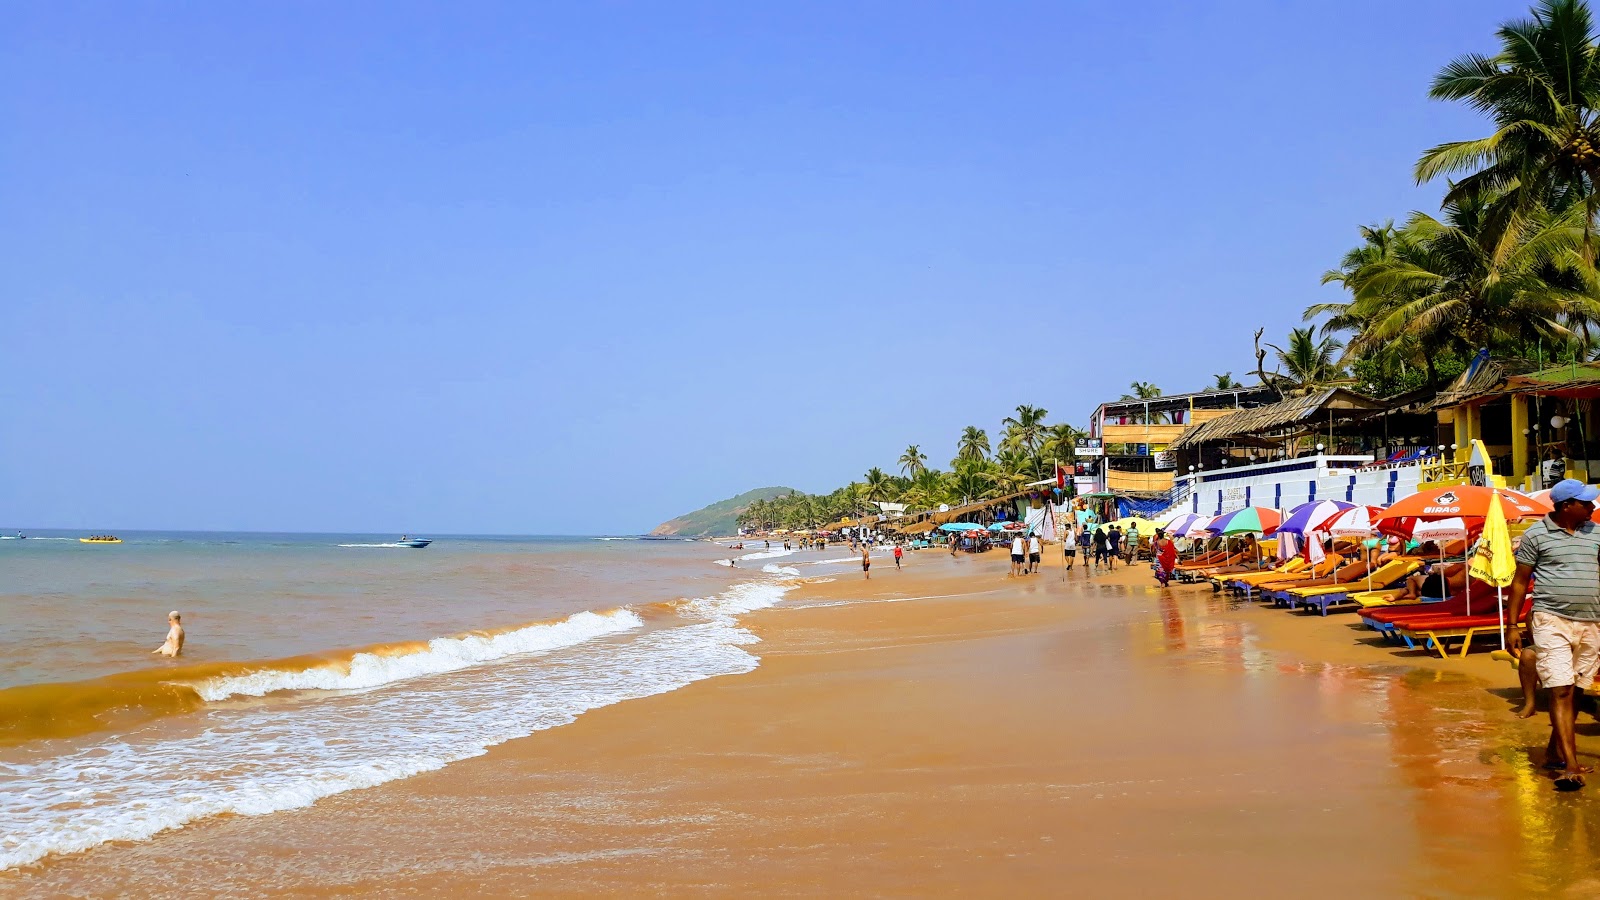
pixel 1133 436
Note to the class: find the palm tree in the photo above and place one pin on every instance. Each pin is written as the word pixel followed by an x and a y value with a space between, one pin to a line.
pixel 1144 390
pixel 876 485
pixel 913 461
pixel 1061 442
pixel 1309 362
pixel 1026 429
pixel 1477 279
pixel 974 444
pixel 1013 468
pixel 972 480
pixel 1541 92
pixel 1224 382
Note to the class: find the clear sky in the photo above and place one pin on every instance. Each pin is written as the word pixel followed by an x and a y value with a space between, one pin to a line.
pixel 578 268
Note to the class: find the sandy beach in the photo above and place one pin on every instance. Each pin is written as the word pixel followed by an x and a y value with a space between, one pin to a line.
pixel 948 730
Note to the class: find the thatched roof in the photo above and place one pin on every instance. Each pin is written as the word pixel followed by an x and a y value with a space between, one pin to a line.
pixel 1252 422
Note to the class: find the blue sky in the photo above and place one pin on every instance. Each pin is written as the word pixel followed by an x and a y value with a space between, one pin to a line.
pixel 534 268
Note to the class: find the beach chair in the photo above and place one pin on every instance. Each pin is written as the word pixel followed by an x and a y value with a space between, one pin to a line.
pixel 1320 597
pixel 1271 588
pixel 1387 620
pixel 1192 571
pixel 1238 583
pixel 1434 630
pixel 1284 593
pixel 1239 563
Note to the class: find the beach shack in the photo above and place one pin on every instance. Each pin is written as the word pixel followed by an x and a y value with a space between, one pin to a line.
pixel 1332 444
pixel 1512 424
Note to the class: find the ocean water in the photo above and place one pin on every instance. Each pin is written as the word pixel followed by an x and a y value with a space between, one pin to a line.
pixel 318 664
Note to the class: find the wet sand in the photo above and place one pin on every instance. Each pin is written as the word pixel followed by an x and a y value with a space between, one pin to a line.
pixel 946 730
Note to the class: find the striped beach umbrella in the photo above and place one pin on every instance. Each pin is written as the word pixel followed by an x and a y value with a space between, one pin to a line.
pixel 1357 521
pixel 1180 525
pixel 1261 520
pixel 1311 516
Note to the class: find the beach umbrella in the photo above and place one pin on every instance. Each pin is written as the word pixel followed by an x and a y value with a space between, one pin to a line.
pixel 1179 525
pixel 960 526
pixel 1311 516
pixel 1467 501
pixel 1494 563
pixel 1250 520
pixel 1165 522
pixel 1442 531
pixel 1353 522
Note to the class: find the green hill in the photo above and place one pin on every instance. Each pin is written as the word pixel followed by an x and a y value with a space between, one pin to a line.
pixel 720 518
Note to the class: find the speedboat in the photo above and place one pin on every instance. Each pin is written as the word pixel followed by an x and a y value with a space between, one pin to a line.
pixel 101 539
pixel 408 541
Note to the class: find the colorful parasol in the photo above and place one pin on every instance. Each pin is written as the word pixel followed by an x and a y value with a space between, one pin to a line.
pixel 1250 520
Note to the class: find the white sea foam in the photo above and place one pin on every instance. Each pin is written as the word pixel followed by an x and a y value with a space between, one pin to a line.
pixel 376 546
pixel 259 760
pixel 826 562
pixel 767 554
pixel 446 654
pixel 771 569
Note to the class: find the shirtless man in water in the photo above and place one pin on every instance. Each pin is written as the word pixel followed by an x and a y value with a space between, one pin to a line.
pixel 174 643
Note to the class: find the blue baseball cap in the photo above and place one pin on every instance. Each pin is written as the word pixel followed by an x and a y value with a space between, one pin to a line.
pixel 1573 489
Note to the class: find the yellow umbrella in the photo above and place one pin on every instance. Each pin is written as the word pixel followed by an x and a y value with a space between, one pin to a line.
pixel 1494 563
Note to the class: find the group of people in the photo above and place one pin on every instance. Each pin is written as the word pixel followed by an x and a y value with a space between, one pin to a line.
pixel 1025 554
pixel 1101 545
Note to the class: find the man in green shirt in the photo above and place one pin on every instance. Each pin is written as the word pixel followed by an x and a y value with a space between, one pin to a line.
pixel 1561 554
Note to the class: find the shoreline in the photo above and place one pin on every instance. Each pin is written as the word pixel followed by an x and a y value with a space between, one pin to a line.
pixel 948 725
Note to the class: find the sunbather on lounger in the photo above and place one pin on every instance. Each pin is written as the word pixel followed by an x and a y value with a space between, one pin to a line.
pixel 1342 575
pixel 1436 582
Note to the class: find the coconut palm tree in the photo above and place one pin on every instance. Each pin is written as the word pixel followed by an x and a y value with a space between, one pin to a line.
pixel 1309 362
pixel 1025 430
pixel 1476 278
pixel 913 461
pixel 1061 442
pixel 1541 92
pixel 1144 390
pixel 1224 382
pixel 876 485
pixel 974 444
pixel 1013 469
pixel 972 480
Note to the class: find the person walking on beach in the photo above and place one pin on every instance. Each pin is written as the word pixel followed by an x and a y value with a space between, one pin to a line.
pixel 1133 542
pixel 174 642
pixel 897 554
pixel 1085 544
pixel 1069 548
pixel 866 562
pixel 1113 542
pixel 1035 550
pixel 1099 546
pixel 1165 553
pixel 1018 559
pixel 1561 553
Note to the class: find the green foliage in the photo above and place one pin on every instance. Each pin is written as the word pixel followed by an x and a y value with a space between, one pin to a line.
pixel 1508 265
pixel 723 516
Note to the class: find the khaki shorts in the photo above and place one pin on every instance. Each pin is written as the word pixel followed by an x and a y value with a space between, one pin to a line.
pixel 1569 650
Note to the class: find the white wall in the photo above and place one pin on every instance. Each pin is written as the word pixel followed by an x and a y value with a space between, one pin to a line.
pixel 1277 485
